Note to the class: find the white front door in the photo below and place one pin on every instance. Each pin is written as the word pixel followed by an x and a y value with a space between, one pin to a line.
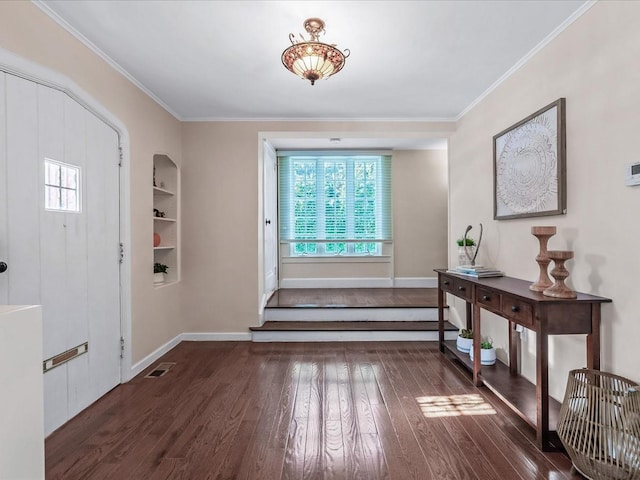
pixel 270 219
pixel 62 254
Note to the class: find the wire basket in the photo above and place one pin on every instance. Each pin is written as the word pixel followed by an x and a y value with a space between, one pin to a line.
pixel 599 425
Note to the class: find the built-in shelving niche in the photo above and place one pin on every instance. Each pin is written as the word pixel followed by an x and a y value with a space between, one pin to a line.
pixel 166 216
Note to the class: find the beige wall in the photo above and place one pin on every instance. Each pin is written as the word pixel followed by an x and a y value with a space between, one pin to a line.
pixel 28 32
pixel 221 185
pixel 590 64
pixel 420 187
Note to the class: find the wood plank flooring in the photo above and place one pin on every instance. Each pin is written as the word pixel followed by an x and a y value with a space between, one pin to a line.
pixel 241 410
pixel 354 298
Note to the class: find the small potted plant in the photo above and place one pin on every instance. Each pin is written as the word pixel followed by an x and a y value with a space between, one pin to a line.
pixel 487 353
pixel 159 271
pixel 465 245
pixel 465 340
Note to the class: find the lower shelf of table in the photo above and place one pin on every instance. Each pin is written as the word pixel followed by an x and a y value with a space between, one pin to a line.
pixel 514 390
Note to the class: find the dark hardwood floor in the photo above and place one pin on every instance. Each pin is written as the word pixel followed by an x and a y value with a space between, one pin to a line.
pixel 354 298
pixel 241 410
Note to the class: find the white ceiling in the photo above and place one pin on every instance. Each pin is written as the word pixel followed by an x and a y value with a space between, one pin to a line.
pixel 410 60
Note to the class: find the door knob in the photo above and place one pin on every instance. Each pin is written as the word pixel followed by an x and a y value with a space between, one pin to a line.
pixel 268 222
pixel 3 267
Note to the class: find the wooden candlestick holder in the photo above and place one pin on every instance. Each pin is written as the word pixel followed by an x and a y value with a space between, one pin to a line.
pixel 542 234
pixel 560 274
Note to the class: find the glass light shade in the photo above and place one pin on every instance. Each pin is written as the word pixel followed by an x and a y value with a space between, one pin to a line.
pixel 313 60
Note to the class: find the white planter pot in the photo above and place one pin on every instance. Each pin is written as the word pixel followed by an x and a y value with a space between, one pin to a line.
pixel 464 344
pixel 158 278
pixel 487 356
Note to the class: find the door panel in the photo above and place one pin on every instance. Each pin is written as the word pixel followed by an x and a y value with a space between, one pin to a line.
pixel 76 227
pixel 56 397
pixel 22 196
pixel 52 227
pixel 4 250
pixel 66 261
pixel 102 244
pixel 270 214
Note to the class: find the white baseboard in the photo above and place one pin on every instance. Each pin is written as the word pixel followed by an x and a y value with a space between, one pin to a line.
pixel 216 337
pixel 373 282
pixel 377 282
pixel 353 336
pixel 351 314
pixel 415 282
pixel 146 362
pixel 455 318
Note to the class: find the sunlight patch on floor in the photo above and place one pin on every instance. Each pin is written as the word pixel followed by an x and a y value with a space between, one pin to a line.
pixel 454 406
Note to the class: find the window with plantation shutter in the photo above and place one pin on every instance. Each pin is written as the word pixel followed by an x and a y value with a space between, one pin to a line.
pixel 334 204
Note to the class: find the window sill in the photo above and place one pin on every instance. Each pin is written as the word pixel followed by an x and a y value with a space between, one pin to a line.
pixel 339 259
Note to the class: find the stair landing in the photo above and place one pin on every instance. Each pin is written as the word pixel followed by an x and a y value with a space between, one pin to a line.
pixel 352 314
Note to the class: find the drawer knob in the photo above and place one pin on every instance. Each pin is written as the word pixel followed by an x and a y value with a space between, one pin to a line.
pixel 462 289
pixel 515 308
pixel 446 282
pixel 486 298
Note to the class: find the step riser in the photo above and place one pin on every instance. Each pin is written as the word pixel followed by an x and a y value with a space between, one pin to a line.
pixel 346 336
pixel 352 314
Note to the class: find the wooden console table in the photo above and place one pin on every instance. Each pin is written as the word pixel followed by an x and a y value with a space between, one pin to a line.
pixel 511 298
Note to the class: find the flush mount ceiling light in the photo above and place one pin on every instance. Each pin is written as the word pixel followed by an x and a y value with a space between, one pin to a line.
pixel 311 59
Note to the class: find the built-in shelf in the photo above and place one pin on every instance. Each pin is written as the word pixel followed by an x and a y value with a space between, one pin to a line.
pixel 161 191
pixel 166 216
pixel 165 284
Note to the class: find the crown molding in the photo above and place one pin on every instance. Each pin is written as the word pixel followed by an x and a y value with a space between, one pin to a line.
pixel 94 48
pixel 523 61
pixel 59 20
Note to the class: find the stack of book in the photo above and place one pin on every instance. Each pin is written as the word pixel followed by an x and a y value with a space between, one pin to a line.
pixel 477 271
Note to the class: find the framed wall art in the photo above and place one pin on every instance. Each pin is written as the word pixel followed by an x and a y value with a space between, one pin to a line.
pixel 529 166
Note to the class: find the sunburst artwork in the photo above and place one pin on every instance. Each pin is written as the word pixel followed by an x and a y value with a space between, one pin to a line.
pixel 529 165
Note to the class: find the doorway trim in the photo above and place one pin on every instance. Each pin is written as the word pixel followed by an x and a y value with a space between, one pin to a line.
pixel 18 66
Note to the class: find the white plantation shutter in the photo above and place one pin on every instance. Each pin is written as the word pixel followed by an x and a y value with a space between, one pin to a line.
pixel 343 196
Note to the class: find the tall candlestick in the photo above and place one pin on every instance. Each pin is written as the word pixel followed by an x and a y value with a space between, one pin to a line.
pixel 542 234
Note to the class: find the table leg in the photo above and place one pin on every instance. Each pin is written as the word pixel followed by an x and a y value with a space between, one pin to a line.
pixel 441 318
pixel 593 339
pixel 542 389
pixel 513 349
pixel 477 339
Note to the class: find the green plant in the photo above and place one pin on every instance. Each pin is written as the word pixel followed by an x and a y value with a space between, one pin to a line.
pixel 160 268
pixel 464 333
pixel 470 242
pixel 487 345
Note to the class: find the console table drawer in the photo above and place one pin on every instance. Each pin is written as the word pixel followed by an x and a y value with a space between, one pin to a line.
pixel 488 299
pixel 463 289
pixel 458 287
pixel 517 310
pixel 446 283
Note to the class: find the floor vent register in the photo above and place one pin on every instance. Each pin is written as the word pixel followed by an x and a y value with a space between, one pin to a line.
pixel 160 370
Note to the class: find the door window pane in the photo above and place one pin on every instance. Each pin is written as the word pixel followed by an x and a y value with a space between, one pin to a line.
pixel 61 186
